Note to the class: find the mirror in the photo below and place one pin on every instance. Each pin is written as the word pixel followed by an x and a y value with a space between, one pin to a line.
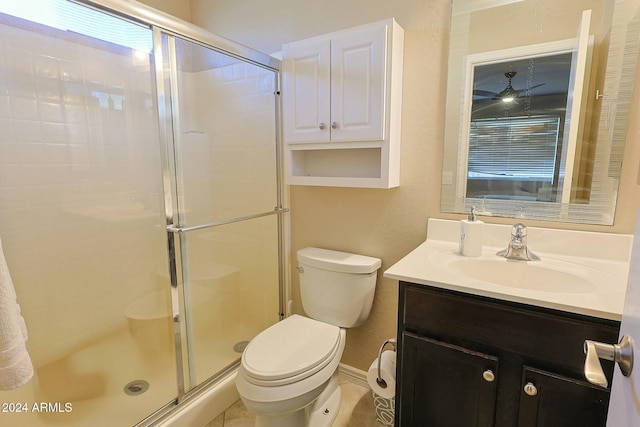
pixel 538 96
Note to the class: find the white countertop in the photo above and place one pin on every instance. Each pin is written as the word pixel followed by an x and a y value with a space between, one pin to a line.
pixel 601 260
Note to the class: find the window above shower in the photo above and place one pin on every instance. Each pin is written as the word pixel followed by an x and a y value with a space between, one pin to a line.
pixel 67 16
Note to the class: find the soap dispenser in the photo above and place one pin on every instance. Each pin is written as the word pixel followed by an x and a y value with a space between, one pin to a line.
pixel 471 231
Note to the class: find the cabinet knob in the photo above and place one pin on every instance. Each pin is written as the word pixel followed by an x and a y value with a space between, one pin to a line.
pixel 488 376
pixel 530 389
pixel 334 125
pixel 322 126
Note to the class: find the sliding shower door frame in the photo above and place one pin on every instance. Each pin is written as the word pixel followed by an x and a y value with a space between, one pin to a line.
pixel 147 16
pixel 175 204
pixel 164 25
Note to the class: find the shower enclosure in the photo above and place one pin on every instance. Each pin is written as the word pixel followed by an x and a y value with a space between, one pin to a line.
pixel 141 210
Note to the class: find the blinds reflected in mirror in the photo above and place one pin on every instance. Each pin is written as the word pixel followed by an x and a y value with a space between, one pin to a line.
pixel 520 148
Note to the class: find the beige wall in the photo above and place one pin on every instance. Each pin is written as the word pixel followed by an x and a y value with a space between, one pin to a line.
pixel 267 24
pixel 529 23
pixel 383 223
pixel 178 8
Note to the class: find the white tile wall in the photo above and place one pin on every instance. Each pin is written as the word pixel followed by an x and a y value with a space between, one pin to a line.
pixel 232 110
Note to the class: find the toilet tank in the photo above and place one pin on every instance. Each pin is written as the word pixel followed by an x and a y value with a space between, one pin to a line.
pixel 337 287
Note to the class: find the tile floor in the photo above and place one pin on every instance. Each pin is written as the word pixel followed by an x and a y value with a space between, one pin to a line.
pixel 356 410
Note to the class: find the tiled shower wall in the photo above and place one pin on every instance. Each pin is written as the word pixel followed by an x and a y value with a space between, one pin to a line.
pixel 80 200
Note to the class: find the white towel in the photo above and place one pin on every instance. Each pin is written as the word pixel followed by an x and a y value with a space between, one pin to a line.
pixel 15 363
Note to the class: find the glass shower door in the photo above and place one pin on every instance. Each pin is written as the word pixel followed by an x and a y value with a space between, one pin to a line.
pixel 81 215
pixel 224 187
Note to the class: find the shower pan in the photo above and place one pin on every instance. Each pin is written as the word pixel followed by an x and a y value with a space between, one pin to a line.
pixel 141 207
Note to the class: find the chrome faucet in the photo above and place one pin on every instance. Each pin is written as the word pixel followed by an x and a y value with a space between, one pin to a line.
pixel 517 248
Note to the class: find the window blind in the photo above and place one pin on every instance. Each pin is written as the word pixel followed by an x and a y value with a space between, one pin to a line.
pixel 514 148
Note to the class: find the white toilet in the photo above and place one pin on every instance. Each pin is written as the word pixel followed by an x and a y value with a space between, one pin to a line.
pixel 289 372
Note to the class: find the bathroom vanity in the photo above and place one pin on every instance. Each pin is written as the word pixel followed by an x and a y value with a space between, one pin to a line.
pixel 483 341
pixel 474 361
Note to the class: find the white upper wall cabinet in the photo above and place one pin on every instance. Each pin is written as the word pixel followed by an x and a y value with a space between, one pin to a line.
pixel 306 85
pixel 342 107
pixel 357 85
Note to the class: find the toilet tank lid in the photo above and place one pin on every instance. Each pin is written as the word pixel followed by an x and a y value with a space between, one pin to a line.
pixel 343 262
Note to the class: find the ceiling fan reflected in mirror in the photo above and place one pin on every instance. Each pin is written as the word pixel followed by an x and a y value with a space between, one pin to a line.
pixel 508 94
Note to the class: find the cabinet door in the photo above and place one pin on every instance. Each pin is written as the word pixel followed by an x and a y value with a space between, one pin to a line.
pixel 445 385
pixel 358 73
pixel 554 400
pixel 306 85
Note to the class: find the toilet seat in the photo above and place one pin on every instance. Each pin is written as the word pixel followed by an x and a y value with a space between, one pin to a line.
pixel 290 351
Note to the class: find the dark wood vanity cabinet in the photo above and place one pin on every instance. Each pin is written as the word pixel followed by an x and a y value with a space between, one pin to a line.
pixel 469 361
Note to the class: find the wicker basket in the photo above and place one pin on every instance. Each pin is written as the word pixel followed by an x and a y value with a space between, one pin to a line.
pixel 385 409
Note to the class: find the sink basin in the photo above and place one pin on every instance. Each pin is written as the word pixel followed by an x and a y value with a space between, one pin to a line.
pixel 579 272
pixel 535 276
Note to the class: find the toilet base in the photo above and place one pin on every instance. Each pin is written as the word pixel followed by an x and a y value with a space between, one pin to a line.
pixel 321 413
pixel 324 410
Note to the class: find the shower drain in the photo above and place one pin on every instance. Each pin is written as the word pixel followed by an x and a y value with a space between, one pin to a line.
pixel 240 346
pixel 136 387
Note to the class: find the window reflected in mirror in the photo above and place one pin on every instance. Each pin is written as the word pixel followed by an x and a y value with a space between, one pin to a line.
pixel 538 107
pixel 518 115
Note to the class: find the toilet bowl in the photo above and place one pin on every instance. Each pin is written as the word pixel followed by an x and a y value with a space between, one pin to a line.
pixel 301 364
pixel 288 374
